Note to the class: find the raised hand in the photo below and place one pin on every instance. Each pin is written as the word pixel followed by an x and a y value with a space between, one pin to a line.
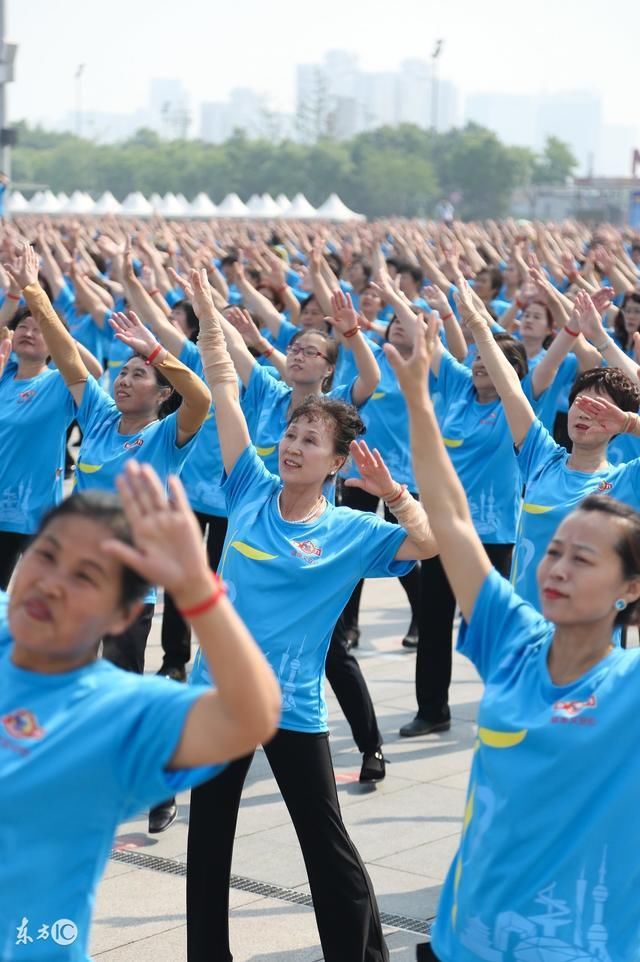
pixel 374 474
pixel 435 298
pixel 131 331
pixel 344 317
pixel 586 318
pixel 605 413
pixel 148 279
pixel 413 373
pixel 24 270
pixel 168 548
pixel 199 293
pixel 244 323
pixel 602 299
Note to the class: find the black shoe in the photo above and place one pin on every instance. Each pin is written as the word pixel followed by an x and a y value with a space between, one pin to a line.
pixel 162 816
pixel 177 672
pixel 353 638
pixel 420 726
pixel 373 767
pixel 410 640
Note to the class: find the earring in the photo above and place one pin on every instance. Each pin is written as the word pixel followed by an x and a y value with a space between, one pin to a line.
pixel 620 604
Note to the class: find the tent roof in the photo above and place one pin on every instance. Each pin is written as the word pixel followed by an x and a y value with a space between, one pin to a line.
pixel 232 206
pixel 335 209
pixel 300 209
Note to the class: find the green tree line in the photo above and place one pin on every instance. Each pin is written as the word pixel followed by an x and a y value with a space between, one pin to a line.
pixel 399 171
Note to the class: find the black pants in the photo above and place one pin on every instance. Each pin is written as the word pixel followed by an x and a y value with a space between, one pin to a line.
pixel 343 897
pixel 11 547
pixel 435 656
pixel 345 677
pixel 424 953
pixel 126 650
pixel 363 501
pixel 176 633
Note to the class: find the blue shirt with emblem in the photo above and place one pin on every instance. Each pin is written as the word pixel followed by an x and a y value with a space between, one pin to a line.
pixel 80 752
pixel 547 865
pixel 289 581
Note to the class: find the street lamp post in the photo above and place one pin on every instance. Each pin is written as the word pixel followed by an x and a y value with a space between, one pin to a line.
pixel 7 58
pixel 437 50
pixel 78 75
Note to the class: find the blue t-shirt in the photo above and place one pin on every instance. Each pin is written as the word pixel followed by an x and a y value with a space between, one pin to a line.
pixel 387 421
pixel 34 416
pixel 202 471
pixel 104 451
pixel 80 752
pixel 547 866
pixel 549 403
pixel 266 402
pixel 552 491
pixel 290 581
pixel 479 444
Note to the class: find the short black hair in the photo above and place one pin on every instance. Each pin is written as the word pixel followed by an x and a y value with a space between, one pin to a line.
pixel 415 272
pixel 627 547
pixel 106 509
pixel 611 381
pixel 193 324
pixel 514 352
pixel 495 278
pixel 344 418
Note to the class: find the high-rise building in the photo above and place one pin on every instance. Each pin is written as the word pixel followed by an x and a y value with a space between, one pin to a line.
pixel 169 107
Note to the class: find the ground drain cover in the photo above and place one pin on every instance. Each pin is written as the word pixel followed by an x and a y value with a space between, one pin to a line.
pixel 172 866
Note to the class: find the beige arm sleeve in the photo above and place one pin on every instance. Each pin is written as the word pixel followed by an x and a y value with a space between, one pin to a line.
pixel 218 366
pixel 61 345
pixel 196 397
pixel 413 518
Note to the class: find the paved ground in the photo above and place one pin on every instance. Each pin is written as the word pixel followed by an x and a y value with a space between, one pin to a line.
pixel 406 828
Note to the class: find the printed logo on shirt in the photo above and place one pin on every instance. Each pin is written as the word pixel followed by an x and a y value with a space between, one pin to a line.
pixel 571 711
pixel 133 444
pixel 604 486
pixel 307 548
pixel 25 396
pixel 489 418
pixel 22 723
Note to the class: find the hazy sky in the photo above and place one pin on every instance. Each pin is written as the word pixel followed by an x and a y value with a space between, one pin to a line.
pixel 214 45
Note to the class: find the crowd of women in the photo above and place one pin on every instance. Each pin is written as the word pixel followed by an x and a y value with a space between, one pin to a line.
pixel 480 382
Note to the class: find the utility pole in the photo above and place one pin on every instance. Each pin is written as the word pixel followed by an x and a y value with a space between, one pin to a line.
pixel 437 50
pixel 7 58
pixel 78 75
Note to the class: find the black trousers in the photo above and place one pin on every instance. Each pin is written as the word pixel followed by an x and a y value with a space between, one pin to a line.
pixel 176 633
pixel 434 658
pixel 363 501
pixel 343 897
pixel 12 545
pixel 126 650
pixel 424 953
pixel 345 677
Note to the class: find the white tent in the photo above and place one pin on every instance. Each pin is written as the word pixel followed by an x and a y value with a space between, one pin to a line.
pixel 44 203
pixel 255 205
pixel 202 206
pixel 182 200
pixel 17 203
pixel 136 205
pixel 270 207
pixel 232 206
pixel 334 209
pixel 78 203
pixel 63 198
pixel 156 201
pixel 283 202
pixel 107 204
pixel 171 206
pixel 300 209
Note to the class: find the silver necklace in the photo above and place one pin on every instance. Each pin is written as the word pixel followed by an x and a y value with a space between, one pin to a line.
pixel 319 503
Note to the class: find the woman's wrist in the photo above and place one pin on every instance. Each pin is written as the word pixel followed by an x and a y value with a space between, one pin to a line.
pixel 631 424
pixel 394 494
pixel 153 357
pixel 199 594
pixel 604 343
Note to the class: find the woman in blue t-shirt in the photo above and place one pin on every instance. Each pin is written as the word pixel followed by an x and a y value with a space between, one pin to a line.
pixel 291 560
pixel 557 726
pixel 91 744
pixel 627 322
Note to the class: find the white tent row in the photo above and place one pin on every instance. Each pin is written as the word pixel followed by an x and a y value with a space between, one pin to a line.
pixel 259 206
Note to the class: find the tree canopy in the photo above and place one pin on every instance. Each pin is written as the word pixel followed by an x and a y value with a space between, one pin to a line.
pixel 400 170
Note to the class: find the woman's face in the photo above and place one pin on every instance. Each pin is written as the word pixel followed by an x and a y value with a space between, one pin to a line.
pixel 311 316
pixel 306 454
pixel 307 361
pixel 178 318
pixel 28 342
pixel 481 380
pixel 533 322
pixel 631 311
pixel 267 291
pixel 356 275
pixel 401 336
pixel 580 576
pixel 482 286
pixel 511 275
pixel 136 390
pixel 582 428
pixel 66 596
pixel 370 303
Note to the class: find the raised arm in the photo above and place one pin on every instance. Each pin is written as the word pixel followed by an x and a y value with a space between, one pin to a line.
pixel 5 347
pixel 62 347
pixel 220 373
pixel 587 316
pixel 257 303
pixel 517 409
pixel 456 343
pixel 344 320
pixel 463 557
pixel 243 710
pixel 240 319
pixel 144 305
pixel 196 398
